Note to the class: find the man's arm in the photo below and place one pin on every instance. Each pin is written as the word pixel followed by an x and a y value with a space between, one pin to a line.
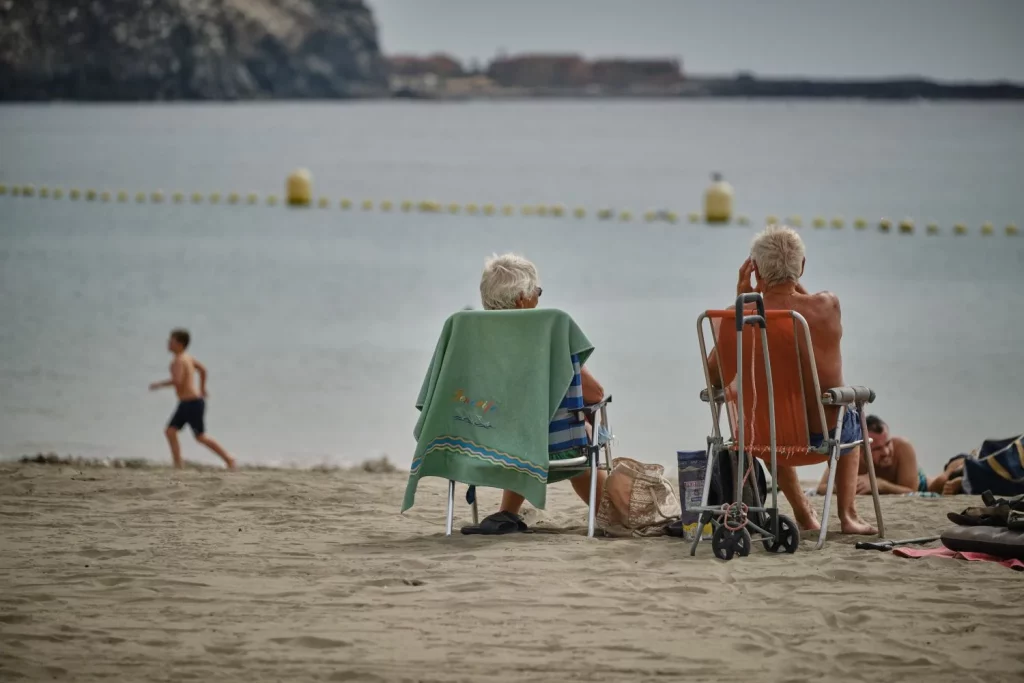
pixel 593 392
pixel 201 369
pixel 906 464
pixel 161 384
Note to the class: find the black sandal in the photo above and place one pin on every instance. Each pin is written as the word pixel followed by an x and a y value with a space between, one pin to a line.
pixel 498 524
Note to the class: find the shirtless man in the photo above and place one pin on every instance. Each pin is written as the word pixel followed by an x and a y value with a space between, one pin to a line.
pixel 896 469
pixel 192 404
pixel 777 262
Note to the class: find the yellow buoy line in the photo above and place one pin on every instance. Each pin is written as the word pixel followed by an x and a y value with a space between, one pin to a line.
pixel 298 193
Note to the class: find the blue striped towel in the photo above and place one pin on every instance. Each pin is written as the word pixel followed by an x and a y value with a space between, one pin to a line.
pixel 566 430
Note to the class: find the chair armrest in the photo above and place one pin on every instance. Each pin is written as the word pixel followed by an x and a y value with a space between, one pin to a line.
pixel 847 395
pixel 594 407
pixel 719 395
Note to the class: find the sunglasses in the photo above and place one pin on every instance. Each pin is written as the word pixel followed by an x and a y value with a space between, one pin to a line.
pixel 540 290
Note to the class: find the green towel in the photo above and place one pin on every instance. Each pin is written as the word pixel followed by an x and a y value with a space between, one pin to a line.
pixel 492 387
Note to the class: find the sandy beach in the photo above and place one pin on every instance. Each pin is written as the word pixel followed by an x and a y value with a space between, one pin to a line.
pixel 156 575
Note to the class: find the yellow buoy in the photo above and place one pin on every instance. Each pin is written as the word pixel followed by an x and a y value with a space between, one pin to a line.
pixel 959 229
pixel 527 210
pixel 693 217
pixel 906 226
pixel 884 225
pixel 215 197
pixel 44 191
pixel 558 210
pixel 271 200
pixel 579 212
pixel 986 229
pixel 28 190
pixel 346 204
pixel 718 201
pixel 488 209
pixel 625 216
pixel 122 196
pixel 406 205
pixel 932 228
pixel 3 189
pixel 16 190
pixel 819 222
pixel 508 210
pixel 233 198
pixel 742 220
pixel 386 205
pixel 1011 229
pixel 90 195
pixel 299 188
pixel 104 196
pixel 454 208
pixel 860 224
pixel 157 196
pixel 472 209
pixel 140 197
pixel 542 210
pixel 252 198
pixel 75 193
pixel 794 222
pixel 771 220
pixel 650 216
pixel 838 222
pixel 671 216
pixel 605 214
pixel 57 193
pixel 366 205
pixel 178 197
pixel 323 202
pixel 197 198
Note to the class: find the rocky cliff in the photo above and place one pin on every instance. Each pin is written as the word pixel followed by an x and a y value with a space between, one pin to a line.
pixel 188 50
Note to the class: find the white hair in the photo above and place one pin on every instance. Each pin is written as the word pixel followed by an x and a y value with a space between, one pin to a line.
pixel 778 253
pixel 505 279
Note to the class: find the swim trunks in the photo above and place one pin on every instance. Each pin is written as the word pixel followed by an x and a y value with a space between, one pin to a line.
pixel 190 413
pixel 851 431
pixel 922 481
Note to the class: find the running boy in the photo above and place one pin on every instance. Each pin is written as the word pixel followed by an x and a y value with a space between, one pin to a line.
pixel 192 404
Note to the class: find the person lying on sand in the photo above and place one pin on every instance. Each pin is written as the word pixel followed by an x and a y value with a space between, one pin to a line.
pixel 192 404
pixel 896 468
pixel 510 281
pixel 777 262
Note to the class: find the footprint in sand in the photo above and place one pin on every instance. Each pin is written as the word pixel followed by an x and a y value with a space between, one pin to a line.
pixel 313 642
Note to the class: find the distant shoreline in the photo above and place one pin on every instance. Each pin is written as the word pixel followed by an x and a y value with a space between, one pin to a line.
pixel 750 88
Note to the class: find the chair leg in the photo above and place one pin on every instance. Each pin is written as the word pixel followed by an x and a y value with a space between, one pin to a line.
pixel 451 508
pixel 833 465
pixel 866 451
pixel 592 512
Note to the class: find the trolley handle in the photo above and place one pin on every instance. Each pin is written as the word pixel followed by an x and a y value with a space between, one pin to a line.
pixel 741 301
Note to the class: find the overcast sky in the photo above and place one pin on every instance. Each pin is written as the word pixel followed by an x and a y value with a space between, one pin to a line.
pixel 945 39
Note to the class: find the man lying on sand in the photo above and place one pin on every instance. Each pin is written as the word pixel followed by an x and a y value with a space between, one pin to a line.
pixel 192 404
pixel 896 468
pixel 511 281
pixel 777 262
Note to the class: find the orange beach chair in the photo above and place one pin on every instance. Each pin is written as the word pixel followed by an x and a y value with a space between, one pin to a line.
pixel 766 366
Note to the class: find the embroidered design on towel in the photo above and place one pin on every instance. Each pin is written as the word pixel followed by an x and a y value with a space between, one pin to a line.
pixel 455 444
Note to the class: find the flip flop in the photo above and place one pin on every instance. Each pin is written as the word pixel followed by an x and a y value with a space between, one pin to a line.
pixel 498 524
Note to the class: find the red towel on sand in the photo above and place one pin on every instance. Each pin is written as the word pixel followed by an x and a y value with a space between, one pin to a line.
pixel 943 551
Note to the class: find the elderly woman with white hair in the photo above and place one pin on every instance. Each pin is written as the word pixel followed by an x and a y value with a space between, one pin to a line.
pixel 509 282
pixel 776 262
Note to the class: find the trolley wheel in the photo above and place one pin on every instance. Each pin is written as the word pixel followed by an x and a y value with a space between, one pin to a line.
pixel 789 535
pixel 725 543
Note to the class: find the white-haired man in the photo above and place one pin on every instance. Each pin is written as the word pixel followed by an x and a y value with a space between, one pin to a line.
pixel 510 281
pixel 777 262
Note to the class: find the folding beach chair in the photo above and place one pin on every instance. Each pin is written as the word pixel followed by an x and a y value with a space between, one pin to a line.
pixel 589 457
pixel 767 416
